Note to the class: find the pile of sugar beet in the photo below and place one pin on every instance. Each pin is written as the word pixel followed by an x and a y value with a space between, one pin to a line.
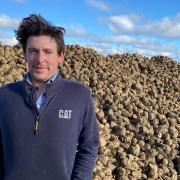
pixel 137 101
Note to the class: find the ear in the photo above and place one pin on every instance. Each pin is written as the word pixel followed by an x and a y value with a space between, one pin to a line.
pixel 61 58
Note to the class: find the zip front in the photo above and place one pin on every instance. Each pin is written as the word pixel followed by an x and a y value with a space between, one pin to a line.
pixel 37 114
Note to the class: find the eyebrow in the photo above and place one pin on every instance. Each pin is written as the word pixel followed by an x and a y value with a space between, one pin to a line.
pixel 45 49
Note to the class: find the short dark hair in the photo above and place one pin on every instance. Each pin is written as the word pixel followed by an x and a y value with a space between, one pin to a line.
pixel 37 25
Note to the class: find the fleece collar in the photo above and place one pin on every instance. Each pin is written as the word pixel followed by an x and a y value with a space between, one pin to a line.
pixel 51 89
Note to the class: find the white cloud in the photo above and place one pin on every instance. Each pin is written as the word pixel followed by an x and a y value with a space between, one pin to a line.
pixel 167 27
pixel 100 47
pixel 8 23
pixel 117 39
pixel 150 53
pixel 9 41
pixel 112 44
pixel 76 31
pixel 120 23
pixel 7 37
pixel 106 49
pixel 132 41
pixel 98 4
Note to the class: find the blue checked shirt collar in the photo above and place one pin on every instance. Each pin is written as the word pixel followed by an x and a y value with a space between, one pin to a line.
pixel 42 98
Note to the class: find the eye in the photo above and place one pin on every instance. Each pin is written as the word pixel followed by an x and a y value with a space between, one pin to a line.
pixel 32 50
pixel 47 51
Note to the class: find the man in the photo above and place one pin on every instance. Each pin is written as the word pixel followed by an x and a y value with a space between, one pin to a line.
pixel 48 128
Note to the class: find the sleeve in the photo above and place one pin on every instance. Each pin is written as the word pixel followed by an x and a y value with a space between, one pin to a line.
pixel 88 145
pixel 1 159
pixel 1 150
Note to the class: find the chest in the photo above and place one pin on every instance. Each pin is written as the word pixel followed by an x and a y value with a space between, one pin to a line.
pixel 61 118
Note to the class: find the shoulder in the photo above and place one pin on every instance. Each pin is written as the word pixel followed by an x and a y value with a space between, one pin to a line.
pixel 10 88
pixel 76 87
pixel 11 85
pixel 77 91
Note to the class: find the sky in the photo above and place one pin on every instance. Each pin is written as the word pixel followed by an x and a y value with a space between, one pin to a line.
pixel 147 27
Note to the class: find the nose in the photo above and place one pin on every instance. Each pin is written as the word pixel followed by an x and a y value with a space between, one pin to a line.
pixel 40 57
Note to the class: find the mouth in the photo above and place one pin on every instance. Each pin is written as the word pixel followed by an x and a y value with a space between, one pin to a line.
pixel 38 67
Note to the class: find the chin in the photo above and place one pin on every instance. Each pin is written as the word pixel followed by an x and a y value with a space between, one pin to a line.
pixel 41 78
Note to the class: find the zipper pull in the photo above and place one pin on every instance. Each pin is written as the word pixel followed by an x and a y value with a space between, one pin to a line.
pixel 36 127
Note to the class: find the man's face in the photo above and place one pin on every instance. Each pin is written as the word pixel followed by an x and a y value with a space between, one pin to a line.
pixel 42 58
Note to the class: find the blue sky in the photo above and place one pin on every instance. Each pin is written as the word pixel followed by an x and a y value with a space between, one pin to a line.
pixel 147 27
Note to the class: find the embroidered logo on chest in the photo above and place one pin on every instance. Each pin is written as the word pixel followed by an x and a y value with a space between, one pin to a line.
pixel 65 114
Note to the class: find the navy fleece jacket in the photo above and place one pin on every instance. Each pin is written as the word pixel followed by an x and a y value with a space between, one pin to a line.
pixel 61 143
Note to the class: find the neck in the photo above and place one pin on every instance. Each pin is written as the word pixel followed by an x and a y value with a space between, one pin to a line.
pixel 39 85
